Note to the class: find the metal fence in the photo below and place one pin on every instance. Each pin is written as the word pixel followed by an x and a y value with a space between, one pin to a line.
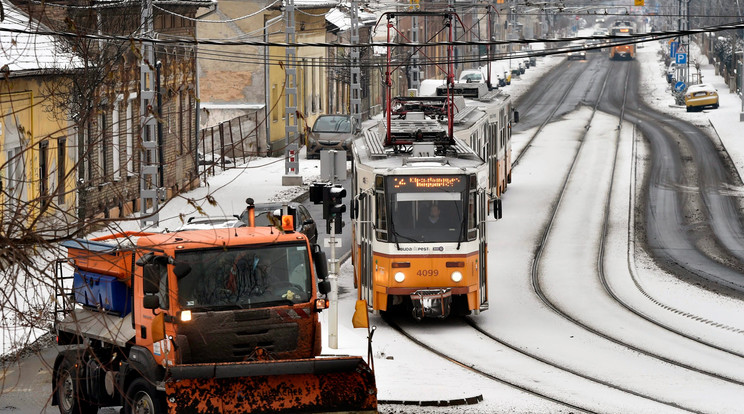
pixel 230 142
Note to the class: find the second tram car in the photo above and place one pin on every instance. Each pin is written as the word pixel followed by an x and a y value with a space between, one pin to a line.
pixel 421 199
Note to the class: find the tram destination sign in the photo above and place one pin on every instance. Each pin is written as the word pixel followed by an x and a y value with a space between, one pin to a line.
pixel 429 182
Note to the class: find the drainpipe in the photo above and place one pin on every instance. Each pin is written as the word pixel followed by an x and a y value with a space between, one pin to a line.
pixel 197 116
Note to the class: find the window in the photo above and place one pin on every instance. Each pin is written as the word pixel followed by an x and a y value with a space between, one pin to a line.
pixel 16 176
pixel 116 139
pixel 314 107
pixel 274 107
pixel 103 148
pixel 180 123
pixel 129 132
pixel 43 169
pixel 61 169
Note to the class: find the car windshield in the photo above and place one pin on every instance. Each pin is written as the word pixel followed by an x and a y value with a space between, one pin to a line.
pixel 471 77
pixel 245 277
pixel 332 124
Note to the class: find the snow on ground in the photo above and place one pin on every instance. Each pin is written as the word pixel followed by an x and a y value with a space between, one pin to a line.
pixel 396 360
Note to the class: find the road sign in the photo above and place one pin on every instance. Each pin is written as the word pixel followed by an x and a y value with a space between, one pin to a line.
pixel 681 58
pixel 327 242
pixel 679 86
pixel 673 48
pixel 639 3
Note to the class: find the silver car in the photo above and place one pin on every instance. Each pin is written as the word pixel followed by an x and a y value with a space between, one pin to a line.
pixel 332 132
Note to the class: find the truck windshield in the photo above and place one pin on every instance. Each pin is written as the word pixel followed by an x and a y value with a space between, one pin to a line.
pixel 245 277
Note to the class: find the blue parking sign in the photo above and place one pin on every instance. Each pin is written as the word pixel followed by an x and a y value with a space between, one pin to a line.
pixel 681 58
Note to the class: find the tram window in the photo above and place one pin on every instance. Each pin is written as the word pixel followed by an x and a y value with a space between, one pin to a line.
pixel 472 216
pixel 381 217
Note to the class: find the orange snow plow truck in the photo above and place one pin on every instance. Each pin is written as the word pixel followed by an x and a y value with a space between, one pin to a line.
pixel 203 321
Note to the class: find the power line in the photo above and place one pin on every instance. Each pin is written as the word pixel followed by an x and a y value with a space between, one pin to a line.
pixel 187 41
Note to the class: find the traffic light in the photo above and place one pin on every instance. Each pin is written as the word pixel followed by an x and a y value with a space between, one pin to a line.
pixel 336 202
pixel 316 192
pixel 334 207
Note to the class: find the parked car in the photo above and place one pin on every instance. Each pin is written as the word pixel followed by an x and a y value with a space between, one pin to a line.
pixel 269 214
pixel 332 132
pixel 266 214
pixel 471 76
pixel 700 96
pixel 211 222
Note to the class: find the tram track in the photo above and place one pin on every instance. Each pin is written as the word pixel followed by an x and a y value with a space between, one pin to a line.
pixel 551 115
pixel 545 300
pixel 396 327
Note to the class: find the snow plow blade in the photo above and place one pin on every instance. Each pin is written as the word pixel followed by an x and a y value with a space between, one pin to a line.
pixel 338 384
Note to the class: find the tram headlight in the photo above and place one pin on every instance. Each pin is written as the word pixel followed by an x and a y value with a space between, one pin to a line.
pixel 456 276
pixel 400 277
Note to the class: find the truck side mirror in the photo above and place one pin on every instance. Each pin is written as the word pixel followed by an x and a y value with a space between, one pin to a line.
pixel 151 302
pixel 321 263
pixel 151 279
pixel 497 208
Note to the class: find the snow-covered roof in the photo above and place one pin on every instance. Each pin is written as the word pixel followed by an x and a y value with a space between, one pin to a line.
pixel 23 50
pixel 341 19
pixel 312 4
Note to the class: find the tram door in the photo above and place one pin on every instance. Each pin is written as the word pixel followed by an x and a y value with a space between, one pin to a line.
pixel 365 259
pixel 482 245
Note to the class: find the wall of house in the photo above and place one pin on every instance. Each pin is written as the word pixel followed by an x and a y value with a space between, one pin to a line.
pixel 312 82
pixel 231 77
pixel 37 155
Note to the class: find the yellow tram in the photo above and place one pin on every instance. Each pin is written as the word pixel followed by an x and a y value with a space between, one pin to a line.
pixel 423 184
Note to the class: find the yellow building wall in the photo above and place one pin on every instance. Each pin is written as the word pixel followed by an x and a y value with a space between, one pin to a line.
pixel 312 82
pixel 28 118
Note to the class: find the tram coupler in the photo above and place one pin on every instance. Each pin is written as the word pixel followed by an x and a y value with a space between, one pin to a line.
pixel 431 303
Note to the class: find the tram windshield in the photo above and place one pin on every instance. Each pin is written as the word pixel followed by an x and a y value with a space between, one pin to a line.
pixel 427 209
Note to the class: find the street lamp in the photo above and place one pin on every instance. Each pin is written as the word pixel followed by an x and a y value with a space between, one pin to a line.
pixel 741 85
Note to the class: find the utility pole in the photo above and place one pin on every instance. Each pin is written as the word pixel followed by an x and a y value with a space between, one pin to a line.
pixel 354 71
pixel 291 148
pixel 149 159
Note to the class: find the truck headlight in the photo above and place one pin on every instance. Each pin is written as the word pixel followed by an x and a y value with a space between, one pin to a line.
pixel 456 276
pixel 400 277
pixel 185 316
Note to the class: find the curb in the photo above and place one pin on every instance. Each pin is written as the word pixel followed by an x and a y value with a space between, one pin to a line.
pixel 435 403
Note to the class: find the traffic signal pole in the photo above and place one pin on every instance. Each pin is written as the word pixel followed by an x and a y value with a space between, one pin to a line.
pixel 334 200
pixel 333 278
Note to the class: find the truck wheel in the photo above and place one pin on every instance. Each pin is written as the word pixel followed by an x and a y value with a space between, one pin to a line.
pixel 69 395
pixel 143 398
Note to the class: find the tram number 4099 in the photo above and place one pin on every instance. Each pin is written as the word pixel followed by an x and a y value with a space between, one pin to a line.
pixel 428 272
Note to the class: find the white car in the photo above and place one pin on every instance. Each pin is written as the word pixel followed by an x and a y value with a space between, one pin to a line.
pixel 471 76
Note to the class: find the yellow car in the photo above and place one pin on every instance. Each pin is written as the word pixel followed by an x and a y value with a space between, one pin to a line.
pixel 700 96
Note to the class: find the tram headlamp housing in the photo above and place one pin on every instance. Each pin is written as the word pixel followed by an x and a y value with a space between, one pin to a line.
pixel 400 277
pixel 456 276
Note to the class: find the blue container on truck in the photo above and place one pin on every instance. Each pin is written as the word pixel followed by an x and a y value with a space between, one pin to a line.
pixel 97 290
